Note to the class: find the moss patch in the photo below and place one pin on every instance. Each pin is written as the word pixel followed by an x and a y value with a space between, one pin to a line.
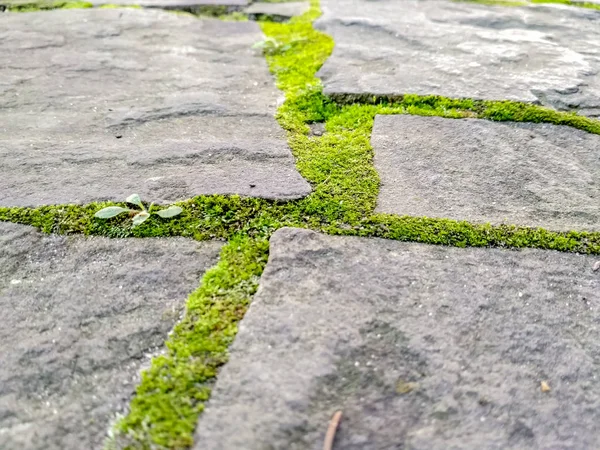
pixel 570 3
pixel 339 166
pixel 46 5
pixel 172 393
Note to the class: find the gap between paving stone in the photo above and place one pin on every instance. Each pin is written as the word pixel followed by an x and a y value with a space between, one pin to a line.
pixel 81 316
pixel 391 227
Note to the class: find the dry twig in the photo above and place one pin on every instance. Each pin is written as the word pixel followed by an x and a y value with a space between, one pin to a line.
pixel 333 425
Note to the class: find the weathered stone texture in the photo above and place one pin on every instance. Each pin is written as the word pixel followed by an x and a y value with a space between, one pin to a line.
pixel 421 347
pixel 281 11
pixel 537 175
pixel 164 4
pixel 536 53
pixel 176 4
pixel 97 104
pixel 80 316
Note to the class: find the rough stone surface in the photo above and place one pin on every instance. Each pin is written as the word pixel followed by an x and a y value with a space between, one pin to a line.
pixel 536 53
pixel 537 175
pixel 97 104
pixel 421 347
pixel 284 10
pixel 80 316
pixel 175 4
pixel 164 4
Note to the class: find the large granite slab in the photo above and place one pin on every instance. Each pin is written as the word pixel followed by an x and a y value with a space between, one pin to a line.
pixel 536 175
pixel 80 317
pixel 421 347
pixel 536 53
pixel 97 104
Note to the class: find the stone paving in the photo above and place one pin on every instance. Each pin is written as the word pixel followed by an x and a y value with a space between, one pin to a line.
pixel 537 54
pixel 137 101
pixel 537 175
pixel 420 346
pixel 432 347
pixel 81 316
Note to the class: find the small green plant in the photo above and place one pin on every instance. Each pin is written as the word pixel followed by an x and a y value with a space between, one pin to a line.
pixel 271 46
pixel 138 216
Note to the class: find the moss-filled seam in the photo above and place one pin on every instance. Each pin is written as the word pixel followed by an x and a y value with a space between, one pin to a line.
pixel 339 166
pixel 173 390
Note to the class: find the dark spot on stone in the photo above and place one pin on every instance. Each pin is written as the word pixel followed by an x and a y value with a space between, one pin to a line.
pixel 521 432
pixel 483 401
pixel 119 136
pixel 252 185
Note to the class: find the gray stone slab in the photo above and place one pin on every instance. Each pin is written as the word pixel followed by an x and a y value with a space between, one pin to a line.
pixel 282 11
pixel 229 5
pixel 97 104
pixel 536 53
pixel 536 175
pixel 80 316
pixel 232 5
pixel 421 347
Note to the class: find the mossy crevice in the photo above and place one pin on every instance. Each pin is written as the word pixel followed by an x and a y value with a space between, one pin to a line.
pixel 339 166
pixel 173 390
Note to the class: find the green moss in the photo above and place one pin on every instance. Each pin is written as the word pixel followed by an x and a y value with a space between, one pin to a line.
pixel 172 393
pixel 339 166
pixel 570 3
pixel 47 5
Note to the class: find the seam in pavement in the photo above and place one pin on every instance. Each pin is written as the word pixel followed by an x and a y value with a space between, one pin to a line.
pixel 339 166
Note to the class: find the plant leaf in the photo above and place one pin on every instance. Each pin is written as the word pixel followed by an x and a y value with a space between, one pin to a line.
pixel 171 211
pixel 140 218
pixel 111 211
pixel 135 199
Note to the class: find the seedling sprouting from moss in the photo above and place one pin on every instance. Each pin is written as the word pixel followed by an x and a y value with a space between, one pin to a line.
pixel 139 216
pixel 271 46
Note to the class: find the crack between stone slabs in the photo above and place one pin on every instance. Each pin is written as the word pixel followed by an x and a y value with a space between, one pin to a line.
pixel 251 221
pixel 386 224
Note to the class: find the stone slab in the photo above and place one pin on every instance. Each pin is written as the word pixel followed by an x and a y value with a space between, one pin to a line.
pixel 536 175
pixel 80 317
pixel 536 53
pixel 100 103
pixel 281 11
pixel 232 5
pixel 421 347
